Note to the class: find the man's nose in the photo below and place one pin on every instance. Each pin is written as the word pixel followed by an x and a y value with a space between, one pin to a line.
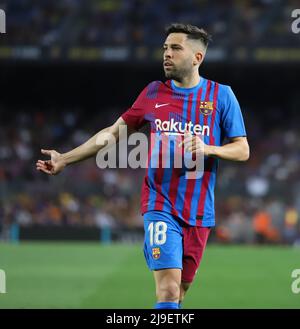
pixel 167 53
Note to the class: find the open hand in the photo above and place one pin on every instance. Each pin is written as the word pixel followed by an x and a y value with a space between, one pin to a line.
pixel 53 166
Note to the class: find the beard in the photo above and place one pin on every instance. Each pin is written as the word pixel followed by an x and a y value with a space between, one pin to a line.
pixel 177 74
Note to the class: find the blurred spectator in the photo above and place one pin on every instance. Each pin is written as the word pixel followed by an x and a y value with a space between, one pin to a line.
pixel 257 201
pixel 118 23
pixel 291 225
pixel 263 228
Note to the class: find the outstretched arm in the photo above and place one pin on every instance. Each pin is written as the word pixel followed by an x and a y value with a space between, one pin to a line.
pixel 59 161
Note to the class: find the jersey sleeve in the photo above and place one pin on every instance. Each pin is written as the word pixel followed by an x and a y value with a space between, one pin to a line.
pixel 135 115
pixel 232 118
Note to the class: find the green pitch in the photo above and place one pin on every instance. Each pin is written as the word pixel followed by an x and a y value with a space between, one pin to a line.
pixel 84 275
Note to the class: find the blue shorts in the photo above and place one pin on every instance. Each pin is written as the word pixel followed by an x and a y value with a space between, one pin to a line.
pixel 169 243
pixel 163 240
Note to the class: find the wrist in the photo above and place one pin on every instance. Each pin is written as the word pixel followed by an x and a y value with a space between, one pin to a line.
pixel 64 159
pixel 211 150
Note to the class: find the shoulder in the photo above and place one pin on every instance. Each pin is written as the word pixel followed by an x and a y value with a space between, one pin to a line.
pixel 155 83
pixel 225 89
pixel 219 92
pixel 152 88
pixel 222 89
pixel 223 92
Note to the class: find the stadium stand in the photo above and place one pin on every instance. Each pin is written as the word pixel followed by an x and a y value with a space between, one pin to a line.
pixel 258 201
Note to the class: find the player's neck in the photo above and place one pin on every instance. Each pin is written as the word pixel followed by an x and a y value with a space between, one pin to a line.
pixel 188 82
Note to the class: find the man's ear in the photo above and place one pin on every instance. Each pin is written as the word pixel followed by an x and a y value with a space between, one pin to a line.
pixel 199 56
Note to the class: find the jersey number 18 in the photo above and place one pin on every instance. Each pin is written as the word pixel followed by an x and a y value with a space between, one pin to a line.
pixel 157 233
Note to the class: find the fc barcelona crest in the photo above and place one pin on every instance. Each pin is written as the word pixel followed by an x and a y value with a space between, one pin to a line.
pixel 155 253
pixel 206 108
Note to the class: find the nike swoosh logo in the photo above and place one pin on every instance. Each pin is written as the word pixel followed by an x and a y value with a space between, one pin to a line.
pixel 160 105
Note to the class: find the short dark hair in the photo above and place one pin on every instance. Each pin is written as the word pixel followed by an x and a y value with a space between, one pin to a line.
pixel 193 32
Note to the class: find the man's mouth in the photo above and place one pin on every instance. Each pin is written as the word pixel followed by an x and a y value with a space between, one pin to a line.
pixel 168 64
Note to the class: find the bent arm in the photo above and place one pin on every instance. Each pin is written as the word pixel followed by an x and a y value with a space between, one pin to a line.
pixel 236 150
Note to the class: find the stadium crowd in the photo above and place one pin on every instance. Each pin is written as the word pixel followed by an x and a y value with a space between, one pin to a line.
pixel 142 22
pixel 257 201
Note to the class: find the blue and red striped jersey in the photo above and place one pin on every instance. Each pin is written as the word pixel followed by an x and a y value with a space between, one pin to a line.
pixel 209 109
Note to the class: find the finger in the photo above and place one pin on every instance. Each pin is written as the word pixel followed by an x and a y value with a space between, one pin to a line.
pixel 185 140
pixel 46 171
pixel 200 140
pixel 188 145
pixel 48 152
pixel 196 148
pixel 192 141
pixel 41 163
pixel 44 165
pixel 41 168
pixel 187 135
pixel 188 139
pixel 192 148
pixel 189 149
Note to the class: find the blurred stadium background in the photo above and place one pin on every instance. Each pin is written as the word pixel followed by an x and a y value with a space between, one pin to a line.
pixel 69 69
